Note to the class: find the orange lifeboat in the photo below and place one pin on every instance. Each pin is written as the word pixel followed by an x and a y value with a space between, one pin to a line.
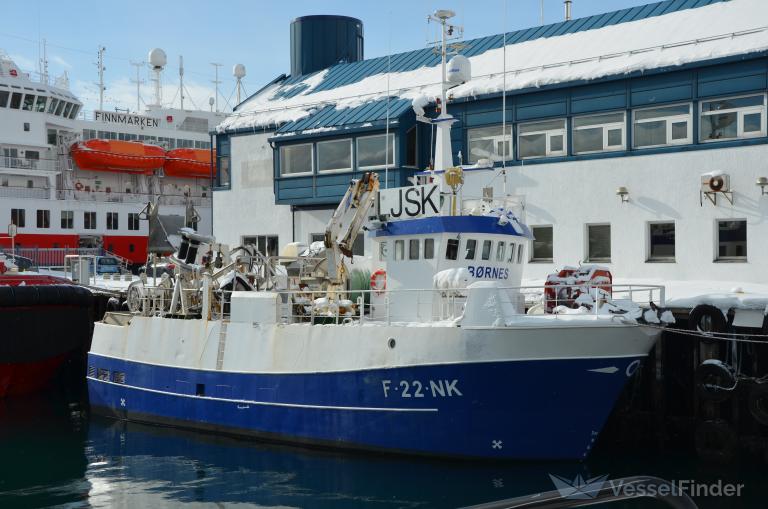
pixel 119 156
pixel 189 163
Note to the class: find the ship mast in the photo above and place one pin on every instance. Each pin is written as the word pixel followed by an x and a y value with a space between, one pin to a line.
pixel 443 152
pixel 100 64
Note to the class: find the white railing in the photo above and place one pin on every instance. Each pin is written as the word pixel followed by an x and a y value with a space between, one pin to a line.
pixel 39 193
pixel 30 164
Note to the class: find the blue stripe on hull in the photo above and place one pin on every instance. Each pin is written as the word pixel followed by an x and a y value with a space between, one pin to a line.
pixel 538 409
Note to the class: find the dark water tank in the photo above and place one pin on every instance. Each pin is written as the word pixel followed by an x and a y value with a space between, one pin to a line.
pixel 321 41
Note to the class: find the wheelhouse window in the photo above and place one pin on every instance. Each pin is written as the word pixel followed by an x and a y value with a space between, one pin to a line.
pixel 296 159
pixel 335 155
pixel 429 249
pixel 487 245
pixel 16 100
pixel 60 108
pixel 470 249
pixel 737 117
pixel 664 125
pixel 67 219
pixel 732 240
pixel 18 217
pixel 542 243
pixel 133 221
pixel 52 105
pixel 511 258
pixel 89 220
pixel 29 102
pixel 399 249
pixel 452 249
pixel 661 242
pixel 599 243
pixel 372 151
pixel 40 104
pixel 500 248
pixel 4 94
pixel 542 139
pixel 599 133
pixel 520 251
pixel 489 143
pixel 112 221
pixel 43 218
pixel 414 248
pixel 383 250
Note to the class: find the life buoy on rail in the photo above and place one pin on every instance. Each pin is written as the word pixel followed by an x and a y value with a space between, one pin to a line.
pixel 78 186
pixel 379 281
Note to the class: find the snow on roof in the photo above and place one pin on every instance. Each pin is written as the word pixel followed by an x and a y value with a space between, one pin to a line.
pixel 736 27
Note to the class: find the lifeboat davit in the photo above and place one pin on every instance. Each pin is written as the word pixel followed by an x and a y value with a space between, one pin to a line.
pixel 116 155
pixel 189 163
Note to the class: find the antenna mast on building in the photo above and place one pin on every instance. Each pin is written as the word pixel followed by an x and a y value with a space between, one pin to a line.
pixel 139 82
pixel 100 65
pixel 181 80
pixel 238 71
pixel 541 12
pixel 216 83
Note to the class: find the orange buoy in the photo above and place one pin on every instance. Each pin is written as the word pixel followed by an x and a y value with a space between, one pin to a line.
pixel 117 156
pixel 189 163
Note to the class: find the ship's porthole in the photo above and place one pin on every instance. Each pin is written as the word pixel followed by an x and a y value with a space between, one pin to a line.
pixel 392 342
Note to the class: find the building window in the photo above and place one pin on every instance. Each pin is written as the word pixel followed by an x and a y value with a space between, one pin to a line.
pixel 414 246
pixel 43 218
pixel 664 125
pixel 489 143
pixel 383 250
pixel 89 220
pixel 541 139
pixel 542 243
pixel 469 249
pixel 112 221
pixel 265 244
pixel 661 242
pixel 452 249
pixel 296 159
pixel 133 221
pixel 429 249
pixel 399 249
pixel 738 117
pixel 372 151
pixel 18 217
pixel 67 219
pixel 411 148
pixel 599 243
pixel 487 245
pixel 335 155
pixel 599 133
pixel 732 240
pixel 223 169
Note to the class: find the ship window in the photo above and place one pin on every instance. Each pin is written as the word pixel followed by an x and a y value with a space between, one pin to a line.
pixel 26 126
pixel 296 159
pixel 661 240
pixel 489 143
pixel 487 249
pixel 470 249
pixel 665 125
pixel 17 217
pixel 335 155
pixel 199 389
pixel 372 151
pixel 43 218
pixel 542 243
pixel 67 110
pixel 383 250
pixel 52 105
pixel 542 139
pixel 29 102
pixel 414 246
pixel 399 249
pixel 89 220
pixel 599 242
pixel 60 108
pixel 452 249
pixel 500 250
pixel 732 240
pixel 52 138
pixel 102 374
pixel 429 249
pixel 4 94
pixel 598 133
pixel 112 221
pixel 40 104
pixel 520 250
pixel 75 109
pixel 67 219
pixel 739 117
pixel 511 252
pixel 133 221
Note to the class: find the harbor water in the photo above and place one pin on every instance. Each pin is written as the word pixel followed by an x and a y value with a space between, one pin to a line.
pixel 55 454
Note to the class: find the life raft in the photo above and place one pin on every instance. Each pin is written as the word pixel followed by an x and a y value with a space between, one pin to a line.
pixel 117 156
pixel 189 163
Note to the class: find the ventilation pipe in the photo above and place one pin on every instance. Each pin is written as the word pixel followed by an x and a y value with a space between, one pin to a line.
pixel 567 10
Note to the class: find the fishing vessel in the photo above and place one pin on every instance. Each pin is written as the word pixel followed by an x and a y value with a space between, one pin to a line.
pixel 71 178
pixel 438 357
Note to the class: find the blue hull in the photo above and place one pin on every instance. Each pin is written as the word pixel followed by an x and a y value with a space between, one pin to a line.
pixel 538 409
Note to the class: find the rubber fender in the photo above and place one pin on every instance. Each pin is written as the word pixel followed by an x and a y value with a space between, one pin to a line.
pixel 715 380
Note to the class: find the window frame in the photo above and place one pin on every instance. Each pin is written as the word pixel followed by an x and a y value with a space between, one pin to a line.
pixel 311 160
pixel 605 128
pixel 650 258
pixel 466 249
pixel 452 247
pixel 431 241
pixel 113 221
pixel 548 133
pixel 134 219
pixel 731 259
pixel 356 162
pixel 588 257
pixel 669 121
pixel 740 112
pixel 411 244
pixel 90 224
pixel 67 219
pixel 401 244
pixel 21 217
pixel 335 170
pixel 43 221
pixel 499 138
pixel 532 253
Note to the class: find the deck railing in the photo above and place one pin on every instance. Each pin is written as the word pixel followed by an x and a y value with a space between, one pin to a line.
pixel 30 164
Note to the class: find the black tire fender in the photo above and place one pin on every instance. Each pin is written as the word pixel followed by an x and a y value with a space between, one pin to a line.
pixel 715 380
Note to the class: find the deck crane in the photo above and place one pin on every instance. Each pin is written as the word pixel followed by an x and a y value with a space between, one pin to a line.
pixel 346 222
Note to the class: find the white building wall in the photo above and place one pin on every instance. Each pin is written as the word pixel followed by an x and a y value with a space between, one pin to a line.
pixel 662 187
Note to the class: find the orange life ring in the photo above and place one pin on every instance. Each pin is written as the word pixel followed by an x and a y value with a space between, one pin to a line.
pixel 379 281
pixel 78 186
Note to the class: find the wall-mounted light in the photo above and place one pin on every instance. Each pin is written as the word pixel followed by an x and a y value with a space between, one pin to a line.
pixel 623 193
pixel 762 182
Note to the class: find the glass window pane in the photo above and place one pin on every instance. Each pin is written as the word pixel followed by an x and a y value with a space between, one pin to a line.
pixel 666 111
pixel 413 249
pixel 588 140
pixel 727 104
pixel 372 151
pixel 608 118
pixel 679 130
pixel 615 138
pixel 470 248
pixel 546 125
pixel 60 108
pixel 29 101
pixel 296 159
pixel 542 242
pixel 599 243
pixel 452 249
pixel 40 104
pixel 383 248
pixel 500 247
pixel 16 100
pixel 662 240
pixel 719 126
pixel 489 143
pixel 732 239
pixel 334 155
pixel 556 143
pixel 753 122
pixel 520 250
pixel 651 133
pixel 533 145
pixel 511 252
pixel 429 249
pixel 399 249
pixel 4 95
pixel 487 250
